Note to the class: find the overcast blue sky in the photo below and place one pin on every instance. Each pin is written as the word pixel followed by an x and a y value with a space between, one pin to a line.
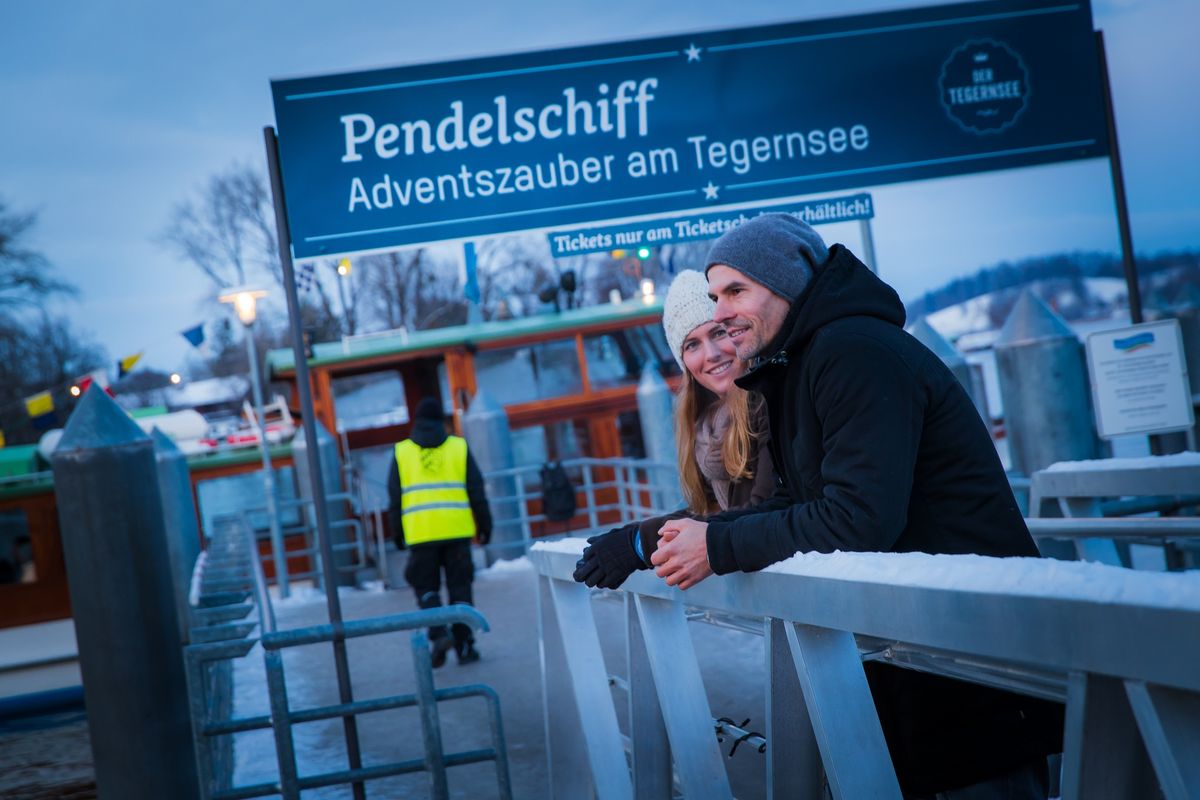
pixel 114 112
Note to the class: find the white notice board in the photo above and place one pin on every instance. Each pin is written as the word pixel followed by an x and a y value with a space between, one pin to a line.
pixel 1139 379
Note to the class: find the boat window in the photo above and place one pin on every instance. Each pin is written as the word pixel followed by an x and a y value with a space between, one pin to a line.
pixel 629 429
pixel 616 358
pixel 533 372
pixel 529 446
pixel 16 549
pixel 556 441
pixel 374 400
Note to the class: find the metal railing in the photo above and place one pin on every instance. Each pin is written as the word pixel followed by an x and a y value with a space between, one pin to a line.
pixel 1118 645
pixel 357 542
pixel 637 489
pixel 228 575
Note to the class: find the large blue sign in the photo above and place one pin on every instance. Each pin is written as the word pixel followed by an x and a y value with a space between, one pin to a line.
pixel 425 153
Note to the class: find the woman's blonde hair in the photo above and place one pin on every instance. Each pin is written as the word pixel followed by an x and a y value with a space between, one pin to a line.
pixel 691 403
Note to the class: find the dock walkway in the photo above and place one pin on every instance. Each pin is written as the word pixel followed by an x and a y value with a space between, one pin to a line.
pixel 731 662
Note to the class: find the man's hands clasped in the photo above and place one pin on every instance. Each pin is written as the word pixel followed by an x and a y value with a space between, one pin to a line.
pixel 681 558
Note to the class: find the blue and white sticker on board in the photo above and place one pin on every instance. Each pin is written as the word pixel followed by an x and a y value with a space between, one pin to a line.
pixel 984 86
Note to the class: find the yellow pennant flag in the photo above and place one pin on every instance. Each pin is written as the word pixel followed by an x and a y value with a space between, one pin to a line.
pixel 126 364
pixel 39 404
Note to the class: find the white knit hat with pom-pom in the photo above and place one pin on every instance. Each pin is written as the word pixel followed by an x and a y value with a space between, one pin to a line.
pixel 687 307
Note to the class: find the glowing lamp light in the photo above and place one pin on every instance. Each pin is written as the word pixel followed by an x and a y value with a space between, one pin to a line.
pixel 643 253
pixel 76 391
pixel 617 254
pixel 343 267
pixel 245 303
pixel 647 291
pixel 176 378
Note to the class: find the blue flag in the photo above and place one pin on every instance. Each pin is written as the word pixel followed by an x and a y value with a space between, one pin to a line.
pixel 195 335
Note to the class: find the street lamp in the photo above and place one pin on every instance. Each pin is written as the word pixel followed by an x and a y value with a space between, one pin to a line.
pixel 245 303
pixel 344 269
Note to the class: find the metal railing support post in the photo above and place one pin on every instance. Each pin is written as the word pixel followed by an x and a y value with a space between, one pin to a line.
pixel 681 697
pixel 1103 756
pixel 568 773
pixel 793 759
pixel 651 751
pixel 842 712
pixel 590 493
pixel 431 729
pixel 281 723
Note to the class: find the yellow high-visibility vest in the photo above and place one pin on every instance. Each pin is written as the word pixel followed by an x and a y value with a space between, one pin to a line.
pixel 434 505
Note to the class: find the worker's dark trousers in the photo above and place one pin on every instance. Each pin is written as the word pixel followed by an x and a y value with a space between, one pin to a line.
pixel 424 574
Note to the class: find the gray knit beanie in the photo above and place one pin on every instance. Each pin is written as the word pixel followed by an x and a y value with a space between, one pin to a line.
pixel 686 307
pixel 777 250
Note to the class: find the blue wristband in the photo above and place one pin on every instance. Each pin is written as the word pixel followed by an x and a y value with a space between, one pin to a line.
pixel 637 546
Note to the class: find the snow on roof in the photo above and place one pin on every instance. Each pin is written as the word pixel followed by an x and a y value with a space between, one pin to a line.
pixel 1188 459
pixel 208 392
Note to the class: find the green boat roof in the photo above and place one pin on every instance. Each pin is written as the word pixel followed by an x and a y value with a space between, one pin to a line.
pixel 18 459
pixel 398 342
pixel 22 475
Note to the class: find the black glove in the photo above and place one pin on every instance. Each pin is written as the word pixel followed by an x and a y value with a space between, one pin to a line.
pixel 609 559
pixel 483 537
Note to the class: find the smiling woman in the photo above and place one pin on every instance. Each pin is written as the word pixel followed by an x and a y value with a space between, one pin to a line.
pixel 719 428
pixel 720 435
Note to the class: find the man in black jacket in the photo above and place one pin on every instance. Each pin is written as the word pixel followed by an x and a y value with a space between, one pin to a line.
pixel 877 448
pixel 436 505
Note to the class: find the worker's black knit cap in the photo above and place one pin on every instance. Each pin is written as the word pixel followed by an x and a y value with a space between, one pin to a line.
pixel 429 408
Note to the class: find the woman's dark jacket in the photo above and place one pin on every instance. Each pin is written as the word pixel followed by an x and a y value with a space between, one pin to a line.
pixel 723 491
pixel 879 448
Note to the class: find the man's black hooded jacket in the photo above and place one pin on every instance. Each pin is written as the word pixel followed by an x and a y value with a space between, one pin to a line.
pixel 878 448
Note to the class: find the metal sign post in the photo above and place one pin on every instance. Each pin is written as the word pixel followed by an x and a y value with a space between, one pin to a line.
pixel 1128 260
pixel 309 420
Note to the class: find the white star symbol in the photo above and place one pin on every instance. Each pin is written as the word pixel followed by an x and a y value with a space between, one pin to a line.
pixel 710 191
pixel 692 52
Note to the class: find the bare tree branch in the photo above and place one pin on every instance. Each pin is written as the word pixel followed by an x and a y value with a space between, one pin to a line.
pixel 24 273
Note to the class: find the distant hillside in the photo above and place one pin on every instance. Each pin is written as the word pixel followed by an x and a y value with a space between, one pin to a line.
pixel 1067 281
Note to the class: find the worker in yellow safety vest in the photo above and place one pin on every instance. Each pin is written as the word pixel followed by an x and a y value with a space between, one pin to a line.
pixel 437 505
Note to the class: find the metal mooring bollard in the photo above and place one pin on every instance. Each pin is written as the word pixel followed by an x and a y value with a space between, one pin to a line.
pixel 119 573
pixel 656 411
pixel 179 517
pixel 1187 311
pixel 927 335
pixel 1044 387
pixel 485 427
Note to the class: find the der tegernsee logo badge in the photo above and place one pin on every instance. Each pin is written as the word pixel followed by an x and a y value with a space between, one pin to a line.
pixel 984 86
